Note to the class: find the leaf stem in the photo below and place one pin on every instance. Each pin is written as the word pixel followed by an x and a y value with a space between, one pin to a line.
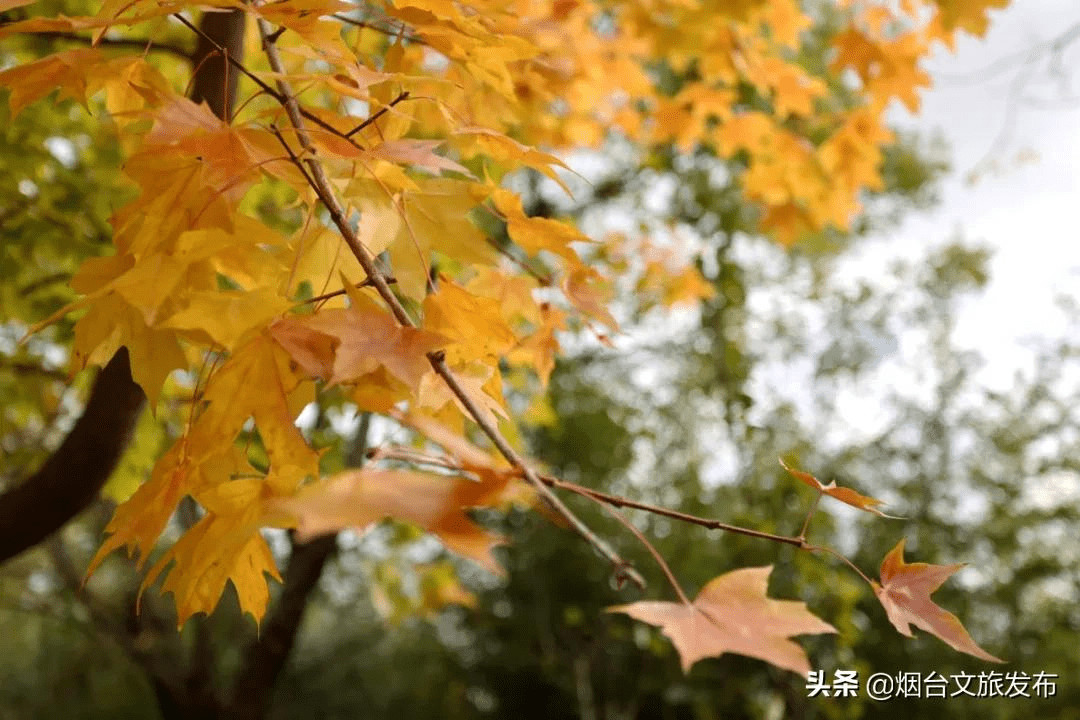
pixel 610 509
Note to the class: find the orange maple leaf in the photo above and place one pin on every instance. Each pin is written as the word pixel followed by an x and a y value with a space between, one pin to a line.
pixel 361 339
pixel 905 592
pixel 843 494
pixel 732 613
pixel 65 71
pixel 437 503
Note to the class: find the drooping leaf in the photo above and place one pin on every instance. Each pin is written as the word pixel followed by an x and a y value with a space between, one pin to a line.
pixel 733 613
pixel 436 503
pixel 905 592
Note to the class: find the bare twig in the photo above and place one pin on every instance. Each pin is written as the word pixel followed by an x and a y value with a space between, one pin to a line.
pixel 617 501
pixel 544 280
pixel 40 283
pixel 641 538
pixel 337 293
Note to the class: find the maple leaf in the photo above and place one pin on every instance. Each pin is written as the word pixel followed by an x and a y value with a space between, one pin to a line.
pixel 905 592
pixel 534 234
pixel 475 324
pixel 969 15
pixel 416 153
pixel 733 613
pixel 219 549
pixel 505 149
pixel 584 288
pixel 843 494
pixel 111 323
pixel 435 218
pixel 65 71
pixel 540 349
pixel 362 338
pixel 437 503
pixel 139 520
pixel 481 382
pixel 227 317
pixel 259 365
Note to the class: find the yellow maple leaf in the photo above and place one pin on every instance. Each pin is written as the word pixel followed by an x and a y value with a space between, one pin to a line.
pixel 586 290
pixel 226 318
pixel 218 549
pixel 476 325
pixel 64 71
pixel 258 371
pixel 481 383
pixel 534 234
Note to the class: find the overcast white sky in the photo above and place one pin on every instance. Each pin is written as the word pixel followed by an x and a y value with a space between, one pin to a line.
pixel 1025 205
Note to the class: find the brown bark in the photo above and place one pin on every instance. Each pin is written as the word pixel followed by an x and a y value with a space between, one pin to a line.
pixel 74 474
pixel 215 78
pixel 265 657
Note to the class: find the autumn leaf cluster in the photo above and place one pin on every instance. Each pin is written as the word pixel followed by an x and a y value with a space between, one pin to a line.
pixel 413 281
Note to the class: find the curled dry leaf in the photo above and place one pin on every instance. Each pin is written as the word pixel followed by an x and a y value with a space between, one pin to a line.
pixel 732 613
pixel 843 494
pixel 905 592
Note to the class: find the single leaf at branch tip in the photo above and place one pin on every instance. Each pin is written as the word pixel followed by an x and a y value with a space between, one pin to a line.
pixel 905 592
pixel 733 613
pixel 843 494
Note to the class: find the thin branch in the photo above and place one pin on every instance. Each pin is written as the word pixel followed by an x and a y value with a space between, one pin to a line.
pixel 146 45
pixel 385 31
pixel 42 282
pixel 437 360
pixel 544 280
pixel 1012 60
pixel 641 538
pixel 830 551
pixel 617 501
pixel 262 85
pixel 810 514
pixel 382 111
pixel 337 293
